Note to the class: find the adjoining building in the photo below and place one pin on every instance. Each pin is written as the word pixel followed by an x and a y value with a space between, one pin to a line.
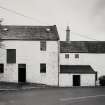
pixel 77 75
pixel 81 61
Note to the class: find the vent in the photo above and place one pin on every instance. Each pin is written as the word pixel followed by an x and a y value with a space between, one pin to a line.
pixel 5 29
pixel 48 29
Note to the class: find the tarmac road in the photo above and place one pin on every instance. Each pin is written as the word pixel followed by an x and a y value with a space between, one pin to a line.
pixel 54 96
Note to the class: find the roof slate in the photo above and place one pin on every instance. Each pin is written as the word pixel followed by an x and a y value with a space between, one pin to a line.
pixel 77 69
pixel 12 32
pixel 82 47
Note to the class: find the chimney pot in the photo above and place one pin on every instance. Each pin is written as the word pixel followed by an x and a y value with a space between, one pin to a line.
pixel 68 34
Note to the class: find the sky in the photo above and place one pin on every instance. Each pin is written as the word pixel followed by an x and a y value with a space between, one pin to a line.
pixel 86 18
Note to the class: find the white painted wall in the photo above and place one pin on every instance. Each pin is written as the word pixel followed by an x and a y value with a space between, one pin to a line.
pixel 97 61
pixel 87 79
pixel 66 80
pixel 28 52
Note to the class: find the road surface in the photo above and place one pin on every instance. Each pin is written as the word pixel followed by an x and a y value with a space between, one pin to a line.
pixel 54 96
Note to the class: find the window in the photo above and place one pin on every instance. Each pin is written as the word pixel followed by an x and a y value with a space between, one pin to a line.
pixel 67 56
pixel 1 68
pixel 76 56
pixel 43 45
pixel 42 68
pixel 11 55
pixel 96 76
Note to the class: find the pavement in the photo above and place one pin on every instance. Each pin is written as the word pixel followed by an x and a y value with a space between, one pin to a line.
pixel 20 86
pixel 6 86
pixel 25 86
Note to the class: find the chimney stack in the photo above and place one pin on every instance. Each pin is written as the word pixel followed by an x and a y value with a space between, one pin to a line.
pixel 67 34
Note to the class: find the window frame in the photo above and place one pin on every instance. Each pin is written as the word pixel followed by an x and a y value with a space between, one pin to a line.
pixel 42 67
pixel 2 71
pixel 76 56
pixel 9 54
pixel 67 56
pixel 43 45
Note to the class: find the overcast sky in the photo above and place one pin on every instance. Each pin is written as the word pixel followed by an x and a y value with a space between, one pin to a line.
pixel 85 17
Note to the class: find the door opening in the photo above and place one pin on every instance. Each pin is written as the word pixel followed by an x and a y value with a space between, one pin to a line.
pixel 22 73
pixel 76 80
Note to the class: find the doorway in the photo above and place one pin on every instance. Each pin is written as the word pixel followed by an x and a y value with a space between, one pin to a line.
pixel 21 73
pixel 76 80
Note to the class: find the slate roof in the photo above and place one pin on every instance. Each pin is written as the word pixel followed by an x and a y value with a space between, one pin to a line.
pixel 12 32
pixel 82 47
pixel 77 69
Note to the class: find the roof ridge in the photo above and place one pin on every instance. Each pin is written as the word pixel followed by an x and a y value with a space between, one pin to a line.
pixel 28 25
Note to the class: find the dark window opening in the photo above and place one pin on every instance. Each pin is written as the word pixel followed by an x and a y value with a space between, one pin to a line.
pixel 1 68
pixel 76 55
pixel 11 55
pixel 43 45
pixel 42 68
pixel 66 55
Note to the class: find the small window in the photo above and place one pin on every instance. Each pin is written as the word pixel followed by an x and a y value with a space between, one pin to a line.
pixel 42 68
pixel 11 55
pixel 1 68
pixel 76 56
pixel 43 45
pixel 67 56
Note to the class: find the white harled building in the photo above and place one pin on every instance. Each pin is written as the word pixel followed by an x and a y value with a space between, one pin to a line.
pixel 29 54
pixel 34 54
pixel 81 62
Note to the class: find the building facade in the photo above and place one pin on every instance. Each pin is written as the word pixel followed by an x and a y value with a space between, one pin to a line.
pixel 29 54
pixel 81 62
pixel 34 54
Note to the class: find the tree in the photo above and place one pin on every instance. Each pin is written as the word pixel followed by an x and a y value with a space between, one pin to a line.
pixel 102 80
pixel 1 20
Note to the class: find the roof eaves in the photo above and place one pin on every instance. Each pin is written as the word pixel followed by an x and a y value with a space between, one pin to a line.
pixel 85 69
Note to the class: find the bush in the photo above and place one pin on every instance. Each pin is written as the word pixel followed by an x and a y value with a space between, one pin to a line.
pixel 102 80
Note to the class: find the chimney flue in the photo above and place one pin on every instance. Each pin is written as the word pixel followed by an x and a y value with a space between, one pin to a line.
pixel 68 34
